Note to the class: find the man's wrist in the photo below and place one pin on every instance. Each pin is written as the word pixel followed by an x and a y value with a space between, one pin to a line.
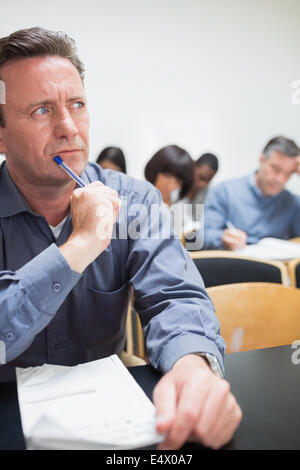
pixel 213 363
pixel 190 360
pixel 204 360
pixel 78 253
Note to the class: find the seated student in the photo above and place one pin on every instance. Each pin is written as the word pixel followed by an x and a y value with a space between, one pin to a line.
pixel 170 169
pixel 64 293
pixel 112 158
pixel 245 210
pixel 205 168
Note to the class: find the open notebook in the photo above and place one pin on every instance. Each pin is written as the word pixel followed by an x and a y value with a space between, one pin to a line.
pixel 272 249
pixel 96 405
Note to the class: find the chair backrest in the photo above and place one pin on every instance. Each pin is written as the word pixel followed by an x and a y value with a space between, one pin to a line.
pixel 135 342
pixel 295 240
pixel 294 272
pixel 223 267
pixel 257 315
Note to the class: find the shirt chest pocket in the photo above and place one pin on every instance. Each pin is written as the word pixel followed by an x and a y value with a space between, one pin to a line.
pixel 104 313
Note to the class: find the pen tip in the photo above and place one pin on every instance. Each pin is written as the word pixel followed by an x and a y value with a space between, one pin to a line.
pixel 57 159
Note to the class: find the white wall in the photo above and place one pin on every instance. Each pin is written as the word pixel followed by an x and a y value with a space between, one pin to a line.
pixel 209 75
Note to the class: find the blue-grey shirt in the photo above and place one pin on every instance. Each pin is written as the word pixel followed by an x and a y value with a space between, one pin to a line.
pixel 241 202
pixel 49 313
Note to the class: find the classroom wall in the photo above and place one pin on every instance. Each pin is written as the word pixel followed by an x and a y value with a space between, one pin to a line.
pixel 209 75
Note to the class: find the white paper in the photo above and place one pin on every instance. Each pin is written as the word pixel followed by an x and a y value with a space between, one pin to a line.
pixel 272 249
pixel 96 405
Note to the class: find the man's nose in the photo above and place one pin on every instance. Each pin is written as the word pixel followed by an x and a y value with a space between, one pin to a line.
pixel 65 125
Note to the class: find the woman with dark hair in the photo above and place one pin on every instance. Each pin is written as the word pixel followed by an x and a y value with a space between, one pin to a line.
pixel 169 169
pixel 112 158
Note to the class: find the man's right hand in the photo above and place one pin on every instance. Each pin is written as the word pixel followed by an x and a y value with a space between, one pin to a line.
pixel 234 239
pixel 94 210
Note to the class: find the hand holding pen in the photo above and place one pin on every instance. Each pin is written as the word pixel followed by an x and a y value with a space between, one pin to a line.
pixel 94 209
pixel 233 238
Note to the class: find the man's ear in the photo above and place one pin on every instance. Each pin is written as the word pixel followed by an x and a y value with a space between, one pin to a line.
pixel 261 158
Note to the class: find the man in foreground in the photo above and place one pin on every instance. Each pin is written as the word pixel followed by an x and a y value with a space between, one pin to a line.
pixel 64 277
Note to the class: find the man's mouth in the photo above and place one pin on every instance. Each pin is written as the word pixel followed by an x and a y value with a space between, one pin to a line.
pixel 67 151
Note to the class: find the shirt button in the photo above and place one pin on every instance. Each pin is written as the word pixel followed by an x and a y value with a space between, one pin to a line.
pixel 57 344
pixel 56 287
pixel 9 335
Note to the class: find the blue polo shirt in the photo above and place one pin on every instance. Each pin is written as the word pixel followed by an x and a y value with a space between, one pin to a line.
pixel 49 313
pixel 241 202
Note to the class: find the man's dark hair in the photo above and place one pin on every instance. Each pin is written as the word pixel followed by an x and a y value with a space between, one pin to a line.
pixel 34 42
pixel 208 159
pixel 282 145
pixel 172 160
pixel 114 155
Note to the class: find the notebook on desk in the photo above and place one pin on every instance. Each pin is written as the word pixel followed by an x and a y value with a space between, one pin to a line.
pixel 272 249
pixel 96 405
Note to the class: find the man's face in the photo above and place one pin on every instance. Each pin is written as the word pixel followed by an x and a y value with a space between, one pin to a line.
pixel 203 174
pixel 45 115
pixel 274 172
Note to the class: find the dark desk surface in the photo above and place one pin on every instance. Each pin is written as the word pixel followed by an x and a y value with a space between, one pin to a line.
pixel 265 382
pixel 267 386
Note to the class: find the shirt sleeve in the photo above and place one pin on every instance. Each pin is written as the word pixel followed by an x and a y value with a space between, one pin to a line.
pixel 30 297
pixel 176 313
pixel 215 218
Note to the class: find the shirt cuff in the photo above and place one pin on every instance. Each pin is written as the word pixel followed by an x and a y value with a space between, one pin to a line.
pixel 182 345
pixel 47 279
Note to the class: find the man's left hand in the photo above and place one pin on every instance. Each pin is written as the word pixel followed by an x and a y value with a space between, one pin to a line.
pixel 193 403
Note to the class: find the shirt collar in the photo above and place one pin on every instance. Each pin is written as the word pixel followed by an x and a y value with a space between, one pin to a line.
pixel 253 185
pixel 11 199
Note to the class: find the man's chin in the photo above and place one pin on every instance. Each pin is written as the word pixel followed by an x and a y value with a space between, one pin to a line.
pixel 274 191
pixel 76 164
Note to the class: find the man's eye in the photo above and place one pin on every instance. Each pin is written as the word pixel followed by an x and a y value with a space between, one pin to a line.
pixel 41 111
pixel 78 105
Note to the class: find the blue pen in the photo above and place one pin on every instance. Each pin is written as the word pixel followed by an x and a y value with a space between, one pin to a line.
pixel 70 172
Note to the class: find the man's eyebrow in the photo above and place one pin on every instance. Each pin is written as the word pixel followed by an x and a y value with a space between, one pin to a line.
pixel 45 101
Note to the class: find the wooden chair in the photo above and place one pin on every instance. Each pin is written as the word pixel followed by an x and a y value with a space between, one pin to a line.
pixel 218 267
pixel 257 315
pixel 294 272
pixel 135 344
pixel 134 354
pixel 295 240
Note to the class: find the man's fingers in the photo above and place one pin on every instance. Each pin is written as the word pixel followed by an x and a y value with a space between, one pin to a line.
pixel 164 398
pixel 235 234
pixel 213 409
pixel 234 239
pixel 77 192
pixel 228 420
pixel 189 407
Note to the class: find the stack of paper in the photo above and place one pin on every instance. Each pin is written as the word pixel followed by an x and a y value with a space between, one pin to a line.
pixel 272 249
pixel 97 405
